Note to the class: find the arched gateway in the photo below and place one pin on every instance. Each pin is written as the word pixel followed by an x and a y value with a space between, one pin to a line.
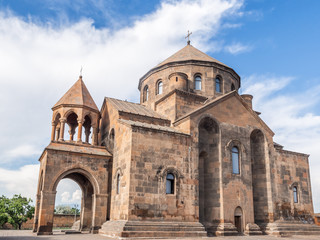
pixel 61 159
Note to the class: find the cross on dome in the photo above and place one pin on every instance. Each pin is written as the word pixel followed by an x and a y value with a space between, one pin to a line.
pixel 188 36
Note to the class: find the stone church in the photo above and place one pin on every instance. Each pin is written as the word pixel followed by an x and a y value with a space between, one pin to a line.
pixel 193 158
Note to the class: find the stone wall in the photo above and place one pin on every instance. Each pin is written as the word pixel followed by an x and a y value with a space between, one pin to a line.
pixel 59 221
pixel 154 155
pixel 293 171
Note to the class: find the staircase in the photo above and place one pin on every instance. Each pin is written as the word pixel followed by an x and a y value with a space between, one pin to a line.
pixel 152 229
pixel 286 228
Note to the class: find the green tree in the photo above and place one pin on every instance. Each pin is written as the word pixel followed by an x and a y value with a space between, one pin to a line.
pixel 65 209
pixel 4 217
pixel 19 210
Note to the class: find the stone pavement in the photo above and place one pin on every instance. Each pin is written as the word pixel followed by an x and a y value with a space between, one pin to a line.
pixel 58 235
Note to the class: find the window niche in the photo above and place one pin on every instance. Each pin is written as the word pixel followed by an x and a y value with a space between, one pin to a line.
pixel 235 160
pixel 197 82
pixel 145 93
pixel 118 183
pixel 159 87
pixel 295 194
pixel 170 183
pixel 218 83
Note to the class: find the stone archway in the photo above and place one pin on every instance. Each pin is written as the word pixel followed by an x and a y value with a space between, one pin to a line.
pixel 259 177
pixel 209 199
pixel 88 192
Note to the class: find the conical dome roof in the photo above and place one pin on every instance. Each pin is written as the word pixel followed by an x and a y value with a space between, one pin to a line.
pixel 189 53
pixel 186 55
pixel 78 95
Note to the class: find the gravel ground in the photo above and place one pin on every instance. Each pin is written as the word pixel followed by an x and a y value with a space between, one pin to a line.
pixel 57 235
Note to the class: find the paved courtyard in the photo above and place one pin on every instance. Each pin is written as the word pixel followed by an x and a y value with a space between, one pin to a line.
pixel 28 235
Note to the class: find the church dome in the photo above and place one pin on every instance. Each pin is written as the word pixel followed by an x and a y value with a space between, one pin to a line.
pixel 189 53
pixel 185 56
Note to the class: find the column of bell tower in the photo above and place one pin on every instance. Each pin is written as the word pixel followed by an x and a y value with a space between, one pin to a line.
pixel 74 111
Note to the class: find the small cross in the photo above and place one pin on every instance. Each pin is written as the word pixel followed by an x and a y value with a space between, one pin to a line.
pixel 188 35
pixel 81 71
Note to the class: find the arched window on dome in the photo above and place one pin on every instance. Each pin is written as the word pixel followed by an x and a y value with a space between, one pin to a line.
pixel 159 87
pixel 197 83
pixel 295 194
pixel 145 93
pixel 235 160
pixel 170 183
pixel 218 85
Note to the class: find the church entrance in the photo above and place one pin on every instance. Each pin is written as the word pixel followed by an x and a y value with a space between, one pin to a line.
pixel 87 199
pixel 238 219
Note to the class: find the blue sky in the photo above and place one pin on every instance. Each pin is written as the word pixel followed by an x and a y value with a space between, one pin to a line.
pixel 273 45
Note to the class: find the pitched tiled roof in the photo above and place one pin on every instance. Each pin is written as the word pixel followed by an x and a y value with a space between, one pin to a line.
pixel 78 94
pixel 151 126
pixel 134 108
pixel 189 53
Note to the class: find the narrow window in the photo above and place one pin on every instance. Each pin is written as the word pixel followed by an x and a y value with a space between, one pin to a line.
pixel 197 83
pixel 118 183
pixel 218 85
pixel 295 194
pixel 232 87
pixel 145 93
pixel 235 160
pixel 160 87
pixel 170 184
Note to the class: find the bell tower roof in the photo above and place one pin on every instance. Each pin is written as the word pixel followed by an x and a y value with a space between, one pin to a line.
pixel 77 95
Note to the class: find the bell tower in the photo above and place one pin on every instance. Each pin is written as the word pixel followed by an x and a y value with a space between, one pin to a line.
pixel 77 111
pixel 77 157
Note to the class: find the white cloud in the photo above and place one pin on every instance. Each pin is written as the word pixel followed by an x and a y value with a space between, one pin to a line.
pixel 76 195
pixel 236 48
pixel 23 151
pixel 22 181
pixel 40 62
pixel 65 197
pixel 292 118
pixel 68 193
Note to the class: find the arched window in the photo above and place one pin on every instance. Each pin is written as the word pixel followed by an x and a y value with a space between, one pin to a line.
pixel 235 160
pixel 197 83
pixel 170 184
pixel 232 87
pixel 145 93
pixel 159 87
pixel 295 194
pixel 218 84
pixel 118 183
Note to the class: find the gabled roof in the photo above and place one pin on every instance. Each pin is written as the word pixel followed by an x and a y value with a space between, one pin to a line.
pixel 214 101
pixel 134 108
pixel 78 95
pixel 189 53
pixel 152 126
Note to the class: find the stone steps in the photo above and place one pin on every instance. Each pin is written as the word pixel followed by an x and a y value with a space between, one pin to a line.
pixel 288 229
pixel 152 229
